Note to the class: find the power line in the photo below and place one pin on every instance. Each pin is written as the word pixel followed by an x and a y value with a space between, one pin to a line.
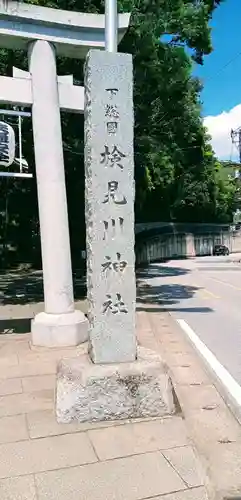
pixel 224 66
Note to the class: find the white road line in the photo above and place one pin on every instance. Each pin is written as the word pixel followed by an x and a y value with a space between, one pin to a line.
pixel 221 373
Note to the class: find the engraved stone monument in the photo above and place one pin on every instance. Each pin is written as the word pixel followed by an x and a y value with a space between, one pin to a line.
pixel 109 181
pixel 117 380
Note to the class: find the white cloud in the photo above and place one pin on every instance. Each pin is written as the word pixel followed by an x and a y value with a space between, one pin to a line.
pixel 219 127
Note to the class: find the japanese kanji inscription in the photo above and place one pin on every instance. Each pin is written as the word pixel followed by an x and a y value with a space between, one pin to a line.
pixel 112 158
pixel 117 265
pixel 110 206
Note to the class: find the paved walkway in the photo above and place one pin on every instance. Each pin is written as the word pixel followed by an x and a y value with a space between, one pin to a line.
pixel 43 460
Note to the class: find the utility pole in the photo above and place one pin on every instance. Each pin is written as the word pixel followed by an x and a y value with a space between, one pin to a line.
pixel 236 140
pixel 111 26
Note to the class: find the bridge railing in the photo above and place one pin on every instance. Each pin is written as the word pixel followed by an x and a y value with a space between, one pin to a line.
pixel 170 241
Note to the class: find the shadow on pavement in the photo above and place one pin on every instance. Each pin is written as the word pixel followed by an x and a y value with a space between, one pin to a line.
pixel 164 297
pixel 21 287
pixel 17 325
pixel 164 294
pixel 155 271
pixel 26 287
pixel 173 309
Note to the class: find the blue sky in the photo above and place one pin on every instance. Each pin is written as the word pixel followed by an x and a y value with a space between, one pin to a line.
pixel 222 84
pixel 221 76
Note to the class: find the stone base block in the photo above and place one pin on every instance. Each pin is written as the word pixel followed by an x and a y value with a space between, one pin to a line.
pixel 59 330
pixel 89 392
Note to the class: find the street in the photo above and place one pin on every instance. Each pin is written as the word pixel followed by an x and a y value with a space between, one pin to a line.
pixel 205 292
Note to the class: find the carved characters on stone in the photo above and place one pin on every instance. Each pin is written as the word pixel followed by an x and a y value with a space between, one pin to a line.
pixel 113 227
pixel 114 195
pixel 112 158
pixel 111 111
pixel 112 127
pixel 116 265
pixel 112 92
pixel 116 306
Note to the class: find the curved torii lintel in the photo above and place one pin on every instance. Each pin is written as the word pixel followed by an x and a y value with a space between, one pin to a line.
pixel 72 33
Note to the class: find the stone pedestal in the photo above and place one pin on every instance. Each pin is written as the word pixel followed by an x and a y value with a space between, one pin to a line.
pixel 89 392
pixel 60 324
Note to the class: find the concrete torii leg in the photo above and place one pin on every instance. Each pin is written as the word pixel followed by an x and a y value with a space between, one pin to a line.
pixel 60 323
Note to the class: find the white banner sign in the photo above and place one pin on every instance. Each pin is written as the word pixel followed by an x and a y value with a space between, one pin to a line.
pixel 7 144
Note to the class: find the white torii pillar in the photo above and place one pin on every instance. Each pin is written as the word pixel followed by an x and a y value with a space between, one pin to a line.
pixel 71 34
pixel 60 323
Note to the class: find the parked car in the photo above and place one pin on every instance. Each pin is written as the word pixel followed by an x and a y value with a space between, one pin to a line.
pixel 220 250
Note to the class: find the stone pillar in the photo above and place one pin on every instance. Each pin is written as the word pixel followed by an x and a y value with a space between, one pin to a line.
pixel 119 381
pixel 190 245
pixel 110 206
pixel 59 324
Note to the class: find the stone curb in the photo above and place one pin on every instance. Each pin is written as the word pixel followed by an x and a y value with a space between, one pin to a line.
pixel 225 384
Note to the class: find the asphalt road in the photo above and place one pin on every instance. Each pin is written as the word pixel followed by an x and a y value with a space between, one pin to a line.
pixel 206 293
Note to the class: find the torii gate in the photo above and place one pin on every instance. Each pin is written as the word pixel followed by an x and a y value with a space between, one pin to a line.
pixel 45 32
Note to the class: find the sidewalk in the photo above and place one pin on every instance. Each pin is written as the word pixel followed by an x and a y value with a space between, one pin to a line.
pixel 42 460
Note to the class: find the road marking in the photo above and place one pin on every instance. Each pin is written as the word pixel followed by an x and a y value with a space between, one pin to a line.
pixel 226 283
pixel 221 373
pixel 211 294
pixel 202 291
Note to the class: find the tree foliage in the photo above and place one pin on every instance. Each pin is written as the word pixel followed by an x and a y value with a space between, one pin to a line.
pixel 177 175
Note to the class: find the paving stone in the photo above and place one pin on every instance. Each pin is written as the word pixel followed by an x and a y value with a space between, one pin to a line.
pixel 137 438
pixel 174 342
pixel 18 488
pixel 187 465
pixel 38 354
pixel 132 478
pixel 214 426
pixel 190 375
pixel 173 347
pixel 13 338
pixel 13 429
pixel 192 494
pixel 37 455
pixel 30 368
pixel 184 360
pixel 17 346
pixel 225 463
pixel 10 386
pixel 198 397
pixel 8 360
pixel 38 383
pixel 16 404
pixel 43 423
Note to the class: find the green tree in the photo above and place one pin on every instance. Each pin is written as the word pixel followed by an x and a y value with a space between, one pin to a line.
pixel 175 168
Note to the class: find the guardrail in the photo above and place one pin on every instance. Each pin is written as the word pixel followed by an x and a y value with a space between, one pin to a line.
pixel 154 247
